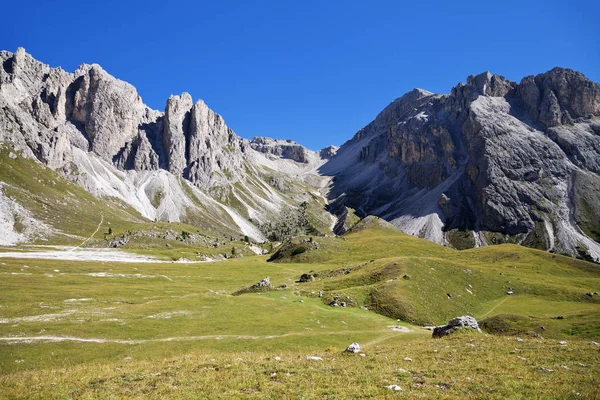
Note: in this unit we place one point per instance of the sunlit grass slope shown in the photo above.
(103, 329)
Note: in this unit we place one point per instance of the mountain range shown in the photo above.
(491, 162)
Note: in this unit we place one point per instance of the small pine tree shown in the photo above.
(110, 230)
(246, 239)
(233, 251)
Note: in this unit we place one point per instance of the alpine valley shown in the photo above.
(448, 250)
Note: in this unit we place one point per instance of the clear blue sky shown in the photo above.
(312, 71)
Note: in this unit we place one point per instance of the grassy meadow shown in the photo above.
(171, 330)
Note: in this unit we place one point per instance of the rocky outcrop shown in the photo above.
(560, 96)
(49, 111)
(176, 128)
(328, 152)
(261, 286)
(213, 148)
(455, 325)
(281, 148)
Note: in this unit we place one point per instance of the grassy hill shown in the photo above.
(102, 329)
(403, 277)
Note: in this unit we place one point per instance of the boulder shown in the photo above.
(265, 283)
(353, 348)
(456, 324)
(306, 278)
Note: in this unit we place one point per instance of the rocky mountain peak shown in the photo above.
(176, 129)
(328, 152)
(499, 160)
(488, 84)
(281, 148)
(491, 157)
(559, 96)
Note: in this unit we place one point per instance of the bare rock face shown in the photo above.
(145, 158)
(493, 157)
(54, 111)
(502, 161)
(559, 96)
(213, 147)
(176, 128)
(281, 148)
(108, 110)
(88, 125)
(328, 152)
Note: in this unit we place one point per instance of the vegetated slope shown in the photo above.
(183, 165)
(38, 205)
(492, 162)
(408, 278)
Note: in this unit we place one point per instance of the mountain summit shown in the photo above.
(494, 161)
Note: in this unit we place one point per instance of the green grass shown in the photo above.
(476, 280)
(174, 330)
(169, 300)
(463, 366)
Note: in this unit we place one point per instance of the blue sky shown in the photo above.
(311, 71)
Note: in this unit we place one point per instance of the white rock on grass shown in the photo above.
(314, 358)
(353, 348)
(394, 388)
(407, 359)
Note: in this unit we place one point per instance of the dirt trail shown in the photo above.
(50, 339)
(92, 235)
(496, 306)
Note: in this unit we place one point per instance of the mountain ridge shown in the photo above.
(463, 149)
(492, 161)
